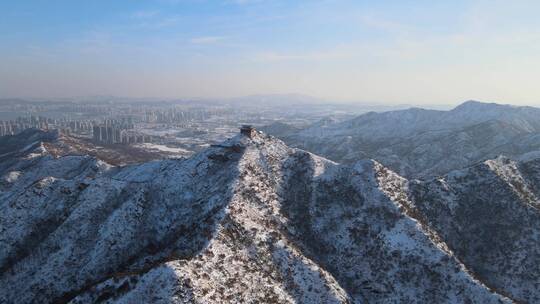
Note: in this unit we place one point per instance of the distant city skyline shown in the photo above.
(394, 52)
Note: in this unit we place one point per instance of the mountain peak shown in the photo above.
(474, 105)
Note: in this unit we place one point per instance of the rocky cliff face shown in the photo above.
(254, 221)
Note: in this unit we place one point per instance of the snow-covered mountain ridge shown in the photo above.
(422, 143)
(253, 220)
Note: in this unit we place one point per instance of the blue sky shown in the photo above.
(373, 51)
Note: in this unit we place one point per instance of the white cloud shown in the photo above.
(207, 39)
(153, 19)
(337, 52)
(244, 2)
(145, 14)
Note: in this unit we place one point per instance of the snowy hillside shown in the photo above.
(254, 221)
(421, 143)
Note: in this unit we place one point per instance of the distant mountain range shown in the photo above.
(282, 101)
(417, 143)
(254, 221)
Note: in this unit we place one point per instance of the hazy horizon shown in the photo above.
(411, 52)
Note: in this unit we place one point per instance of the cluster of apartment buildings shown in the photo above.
(118, 131)
(12, 127)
